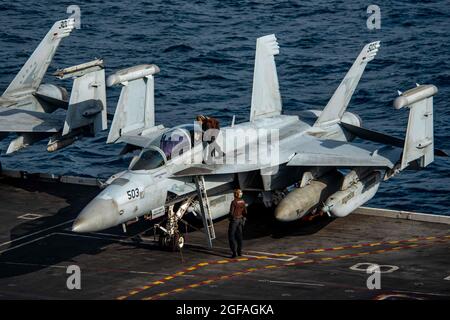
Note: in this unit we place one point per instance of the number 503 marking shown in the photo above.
(132, 194)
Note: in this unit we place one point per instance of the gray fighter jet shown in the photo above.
(297, 165)
(30, 108)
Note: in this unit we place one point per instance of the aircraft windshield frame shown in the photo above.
(149, 159)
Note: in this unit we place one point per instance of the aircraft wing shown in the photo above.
(308, 152)
(318, 152)
(19, 120)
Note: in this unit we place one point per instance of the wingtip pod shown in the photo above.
(132, 73)
(414, 95)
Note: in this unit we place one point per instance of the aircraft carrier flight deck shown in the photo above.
(319, 259)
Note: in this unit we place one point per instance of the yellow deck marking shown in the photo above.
(179, 289)
(163, 294)
(223, 261)
(195, 285)
(203, 264)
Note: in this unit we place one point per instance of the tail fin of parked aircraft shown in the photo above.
(266, 98)
(135, 110)
(30, 76)
(335, 108)
(419, 144)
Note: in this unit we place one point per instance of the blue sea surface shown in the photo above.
(205, 50)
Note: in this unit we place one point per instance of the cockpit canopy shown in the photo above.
(172, 143)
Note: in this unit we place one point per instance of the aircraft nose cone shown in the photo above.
(98, 215)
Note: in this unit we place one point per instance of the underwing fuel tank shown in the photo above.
(302, 201)
(343, 202)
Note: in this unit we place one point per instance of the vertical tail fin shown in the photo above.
(335, 108)
(419, 144)
(266, 99)
(33, 71)
(135, 110)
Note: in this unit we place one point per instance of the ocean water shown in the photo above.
(205, 50)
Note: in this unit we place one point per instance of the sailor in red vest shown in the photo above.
(238, 214)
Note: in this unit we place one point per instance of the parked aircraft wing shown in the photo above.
(318, 152)
(135, 111)
(19, 120)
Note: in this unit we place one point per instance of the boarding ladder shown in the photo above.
(205, 211)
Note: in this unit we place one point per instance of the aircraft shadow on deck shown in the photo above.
(34, 248)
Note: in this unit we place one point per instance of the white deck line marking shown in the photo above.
(287, 257)
(270, 258)
(25, 243)
(95, 237)
(292, 282)
(447, 278)
(30, 216)
(37, 232)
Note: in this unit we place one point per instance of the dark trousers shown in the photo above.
(235, 235)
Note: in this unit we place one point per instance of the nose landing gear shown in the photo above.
(170, 236)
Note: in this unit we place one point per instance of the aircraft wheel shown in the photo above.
(177, 242)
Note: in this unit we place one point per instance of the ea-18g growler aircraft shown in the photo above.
(29, 108)
(301, 164)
